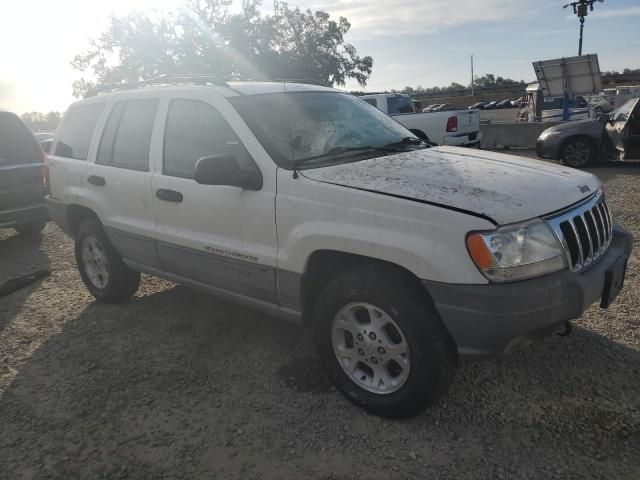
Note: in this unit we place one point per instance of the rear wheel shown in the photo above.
(382, 342)
(101, 266)
(32, 228)
(578, 152)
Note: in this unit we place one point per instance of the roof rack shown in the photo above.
(165, 79)
(309, 81)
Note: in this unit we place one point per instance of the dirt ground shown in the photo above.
(177, 384)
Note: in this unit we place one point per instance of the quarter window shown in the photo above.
(127, 134)
(194, 130)
(74, 135)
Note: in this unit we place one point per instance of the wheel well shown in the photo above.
(576, 137)
(323, 265)
(75, 215)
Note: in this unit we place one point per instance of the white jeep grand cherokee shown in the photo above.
(315, 206)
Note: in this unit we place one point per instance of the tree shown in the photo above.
(206, 37)
(40, 121)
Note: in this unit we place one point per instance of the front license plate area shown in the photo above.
(613, 281)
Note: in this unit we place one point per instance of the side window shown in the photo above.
(371, 101)
(74, 135)
(399, 104)
(127, 135)
(17, 144)
(194, 130)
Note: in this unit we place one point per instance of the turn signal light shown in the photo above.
(479, 251)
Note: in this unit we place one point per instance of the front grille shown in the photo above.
(585, 231)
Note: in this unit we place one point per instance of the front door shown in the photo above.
(219, 236)
(620, 125)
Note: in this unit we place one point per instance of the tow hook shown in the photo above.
(568, 328)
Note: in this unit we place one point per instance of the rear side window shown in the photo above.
(399, 105)
(74, 135)
(17, 144)
(127, 134)
(371, 101)
(195, 130)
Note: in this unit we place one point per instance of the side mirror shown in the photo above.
(224, 170)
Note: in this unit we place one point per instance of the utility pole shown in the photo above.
(472, 89)
(581, 9)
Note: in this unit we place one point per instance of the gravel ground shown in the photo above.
(176, 384)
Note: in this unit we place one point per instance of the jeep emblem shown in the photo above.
(584, 188)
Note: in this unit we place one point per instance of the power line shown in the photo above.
(420, 75)
(633, 45)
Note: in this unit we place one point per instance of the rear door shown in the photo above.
(617, 127)
(21, 162)
(71, 149)
(118, 183)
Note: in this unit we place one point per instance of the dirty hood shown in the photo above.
(504, 188)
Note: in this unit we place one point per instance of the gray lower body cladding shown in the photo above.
(487, 320)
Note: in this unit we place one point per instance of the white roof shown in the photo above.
(258, 88)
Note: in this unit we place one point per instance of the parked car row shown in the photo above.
(495, 104)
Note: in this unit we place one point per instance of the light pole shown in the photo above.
(581, 9)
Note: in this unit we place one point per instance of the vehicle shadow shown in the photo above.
(19, 256)
(179, 383)
(610, 170)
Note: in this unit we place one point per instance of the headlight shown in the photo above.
(516, 252)
(548, 132)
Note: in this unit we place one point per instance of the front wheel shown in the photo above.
(578, 152)
(100, 265)
(382, 342)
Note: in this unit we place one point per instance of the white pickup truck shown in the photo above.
(457, 127)
(311, 205)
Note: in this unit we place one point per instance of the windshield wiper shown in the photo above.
(414, 141)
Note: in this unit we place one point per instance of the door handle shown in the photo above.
(169, 195)
(96, 180)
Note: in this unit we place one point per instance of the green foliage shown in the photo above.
(40, 121)
(206, 37)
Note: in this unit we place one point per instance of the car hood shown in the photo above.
(504, 188)
(581, 126)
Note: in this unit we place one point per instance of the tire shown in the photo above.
(32, 228)
(405, 317)
(100, 265)
(578, 152)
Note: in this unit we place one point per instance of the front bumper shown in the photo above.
(549, 147)
(18, 216)
(487, 320)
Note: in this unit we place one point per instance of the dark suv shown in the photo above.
(22, 188)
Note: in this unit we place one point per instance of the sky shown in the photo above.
(412, 42)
